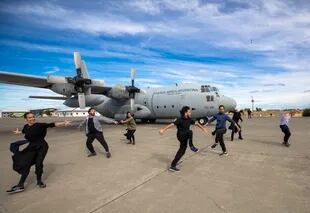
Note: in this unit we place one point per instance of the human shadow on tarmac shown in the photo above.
(266, 142)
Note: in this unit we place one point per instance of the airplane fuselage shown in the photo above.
(166, 102)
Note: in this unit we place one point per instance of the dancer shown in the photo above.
(34, 153)
(131, 128)
(284, 120)
(183, 134)
(221, 119)
(237, 115)
(93, 130)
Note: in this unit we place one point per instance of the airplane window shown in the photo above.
(157, 107)
(212, 98)
(145, 102)
(208, 98)
(164, 106)
(193, 108)
(172, 106)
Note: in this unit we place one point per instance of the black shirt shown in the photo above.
(36, 133)
(183, 125)
(237, 116)
(91, 126)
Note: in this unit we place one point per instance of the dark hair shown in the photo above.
(184, 110)
(26, 114)
(127, 114)
(90, 109)
(221, 106)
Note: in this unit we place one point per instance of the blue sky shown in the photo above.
(246, 48)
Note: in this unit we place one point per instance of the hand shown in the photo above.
(115, 122)
(66, 122)
(17, 131)
(161, 131)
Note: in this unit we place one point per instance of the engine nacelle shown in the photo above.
(118, 92)
(63, 89)
(90, 100)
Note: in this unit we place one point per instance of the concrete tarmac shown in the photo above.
(259, 175)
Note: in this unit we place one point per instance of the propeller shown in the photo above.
(132, 90)
(81, 79)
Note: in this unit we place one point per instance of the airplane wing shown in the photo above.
(50, 97)
(23, 80)
(102, 90)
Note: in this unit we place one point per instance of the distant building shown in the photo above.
(12, 113)
(72, 113)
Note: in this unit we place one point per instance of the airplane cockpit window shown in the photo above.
(215, 89)
(208, 98)
(205, 88)
(212, 98)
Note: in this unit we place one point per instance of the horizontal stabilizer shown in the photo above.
(50, 97)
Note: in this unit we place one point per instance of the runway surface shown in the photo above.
(259, 175)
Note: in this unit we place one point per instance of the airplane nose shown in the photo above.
(229, 103)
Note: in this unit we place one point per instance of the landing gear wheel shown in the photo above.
(202, 121)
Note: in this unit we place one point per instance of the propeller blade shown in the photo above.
(132, 76)
(78, 63)
(82, 101)
(132, 104)
(84, 70)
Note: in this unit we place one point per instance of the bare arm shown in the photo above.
(163, 130)
(125, 121)
(204, 129)
(62, 124)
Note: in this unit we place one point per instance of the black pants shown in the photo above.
(130, 135)
(41, 152)
(190, 140)
(286, 131)
(219, 138)
(183, 138)
(100, 138)
(234, 130)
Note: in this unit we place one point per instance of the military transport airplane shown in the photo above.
(147, 104)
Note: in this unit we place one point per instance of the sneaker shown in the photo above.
(241, 138)
(16, 189)
(129, 142)
(108, 154)
(92, 154)
(194, 149)
(40, 184)
(224, 153)
(133, 143)
(287, 144)
(173, 169)
(214, 145)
